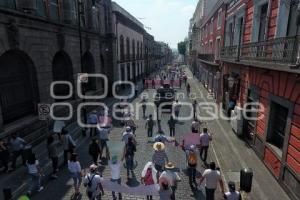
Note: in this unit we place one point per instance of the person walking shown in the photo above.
(195, 126)
(176, 107)
(153, 83)
(144, 106)
(17, 145)
(103, 131)
(115, 171)
(232, 194)
(149, 176)
(130, 122)
(94, 150)
(53, 153)
(149, 126)
(159, 158)
(92, 182)
(35, 173)
(172, 124)
(188, 89)
(75, 172)
(205, 139)
(172, 177)
(165, 192)
(192, 166)
(212, 177)
(195, 108)
(128, 155)
(4, 155)
(68, 144)
(127, 134)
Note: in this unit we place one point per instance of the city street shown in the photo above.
(230, 154)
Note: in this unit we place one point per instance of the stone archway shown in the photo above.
(62, 70)
(89, 67)
(18, 86)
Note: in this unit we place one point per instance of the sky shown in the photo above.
(168, 19)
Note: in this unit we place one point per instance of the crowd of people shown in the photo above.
(159, 169)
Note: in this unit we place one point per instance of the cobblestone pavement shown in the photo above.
(232, 154)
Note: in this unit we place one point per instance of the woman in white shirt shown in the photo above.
(75, 172)
(35, 174)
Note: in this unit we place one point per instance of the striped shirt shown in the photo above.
(160, 158)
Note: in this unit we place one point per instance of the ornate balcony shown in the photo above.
(278, 51)
(208, 59)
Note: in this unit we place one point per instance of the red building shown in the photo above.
(260, 62)
(212, 38)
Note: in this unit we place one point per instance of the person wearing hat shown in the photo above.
(127, 134)
(92, 182)
(115, 170)
(212, 177)
(103, 131)
(171, 176)
(232, 194)
(159, 157)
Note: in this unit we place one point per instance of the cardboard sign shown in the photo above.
(44, 111)
(58, 126)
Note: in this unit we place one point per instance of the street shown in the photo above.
(229, 153)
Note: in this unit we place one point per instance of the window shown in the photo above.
(54, 10)
(122, 56)
(219, 19)
(70, 12)
(133, 50)
(8, 4)
(262, 22)
(138, 49)
(292, 24)
(41, 8)
(127, 49)
(277, 125)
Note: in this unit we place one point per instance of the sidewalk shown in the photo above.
(18, 180)
(232, 154)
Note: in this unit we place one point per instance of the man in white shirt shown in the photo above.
(115, 168)
(205, 138)
(232, 194)
(92, 182)
(127, 134)
(212, 178)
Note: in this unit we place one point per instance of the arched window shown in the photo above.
(128, 49)
(133, 50)
(18, 86)
(122, 53)
(62, 70)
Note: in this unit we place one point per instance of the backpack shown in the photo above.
(148, 177)
(192, 158)
(89, 184)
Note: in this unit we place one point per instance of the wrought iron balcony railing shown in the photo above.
(207, 57)
(279, 50)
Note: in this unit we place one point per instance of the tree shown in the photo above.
(182, 47)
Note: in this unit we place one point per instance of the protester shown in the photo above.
(195, 126)
(172, 177)
(160, 137)
(4, 155)
(93, 119)
(192, 166)
(115, 170)
(94, 150)
(232, 194)
(149, 126)
(127, 134)
(68, 144)
(172, 124)
(103, 131)
(35, 173)
(130, 122)
(212, 177)
(53, 153)
(195, 108)
(17, 145)
(128, 155)
(205, 138)
(75, 172)
(159, 158)
(176, 107)
(188, 89)
(149, 176)
(144, 106)
(92, 182)
(165, 192)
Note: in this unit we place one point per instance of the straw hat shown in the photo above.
(169, 165)
(158, 146)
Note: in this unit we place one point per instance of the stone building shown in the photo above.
(149, 43)
(39, 44)
(129, 45)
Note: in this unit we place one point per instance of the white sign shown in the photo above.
(58, 126)
(44, 111)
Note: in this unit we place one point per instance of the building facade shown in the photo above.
(39, 44)
(129, 46)
(261, 64)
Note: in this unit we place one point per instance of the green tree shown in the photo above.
(182, 47)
